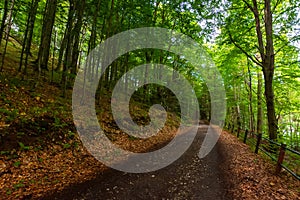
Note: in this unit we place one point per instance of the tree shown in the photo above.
(72, 38)
(3, 21)
(264, 44)
(48, 22)
(259, 104)
(28, 34)
(8, 28)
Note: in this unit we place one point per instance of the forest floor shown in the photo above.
(41, 155)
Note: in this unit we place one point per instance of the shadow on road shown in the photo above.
(187, 178)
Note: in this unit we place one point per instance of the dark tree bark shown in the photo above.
(92, 41)
(62, 49)
(251, 125)
(48, 22)
(29, 34)
(25, 38)
(8, 28)
(53, 56)
(259, 104)
(68, 38)
(92, 45)
(4, 17)
(73, 40)
(80, 7)
(109, 32)
(268, 70)
(237, 109)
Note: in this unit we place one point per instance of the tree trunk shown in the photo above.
(7, 32)
(268, 62)
(80, 6)
(67, 59)
(92, 41)
(29, 34)
(259, 104)
(268, 69)
(3, 22)
(25, 37)
(53, 56)
(269, 94)
(238, 111)
(62, 48)
(48, 22)
(250, 100)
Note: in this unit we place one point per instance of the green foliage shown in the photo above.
(38, 148)
(23, 147)
(58, 123)
(71, 135)
(132, 138)
(8, 192)
(17, 164)
(4, 153)
(10, 115)
(67, 146)
(19, 185)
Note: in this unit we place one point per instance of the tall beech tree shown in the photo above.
(48, 22)
(262, 25)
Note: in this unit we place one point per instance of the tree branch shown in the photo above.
(258, 30)
(249, 6)
(245, 52)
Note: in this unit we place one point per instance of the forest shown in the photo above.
(44, 45)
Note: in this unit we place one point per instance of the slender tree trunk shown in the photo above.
(25, 37)
(250, 100)
(146, 88)
(67, 64)
(48, 22)
(92, 45)
(62, 48)
(109, 32)
(238, 110)
(92, 41)
(259, 104)
(291, 128)
(53, 57)
(3, 21)
(7, 32)
(109, 28)
(67, 59)
(80, 4)
(29, 34)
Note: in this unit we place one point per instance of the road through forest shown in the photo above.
(187, 178)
